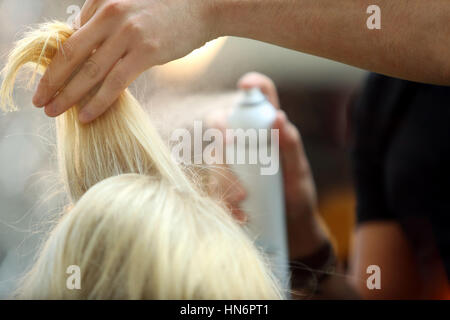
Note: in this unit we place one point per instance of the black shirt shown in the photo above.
(401, 156)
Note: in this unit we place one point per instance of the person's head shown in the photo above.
(138, 237)
(139, 227)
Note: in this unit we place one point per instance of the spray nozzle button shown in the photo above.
(253, 96)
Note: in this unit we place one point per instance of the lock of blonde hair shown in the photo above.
(139, 227)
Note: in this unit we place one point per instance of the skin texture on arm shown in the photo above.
(413, 32)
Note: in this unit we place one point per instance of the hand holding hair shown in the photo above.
(117, 40)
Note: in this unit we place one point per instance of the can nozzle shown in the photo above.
(253, 96)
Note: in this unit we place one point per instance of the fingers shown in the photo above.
(92, 72)
(122, 74)
(87, 11)
(292, 154)
(74, 51)
(258, 80)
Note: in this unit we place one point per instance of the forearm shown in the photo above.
(306, 234)
(412, 43)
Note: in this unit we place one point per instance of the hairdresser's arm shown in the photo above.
(133, 35)
(413, 32)
(385, 245)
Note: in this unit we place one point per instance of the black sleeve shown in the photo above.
(401, 155)
(375, 113)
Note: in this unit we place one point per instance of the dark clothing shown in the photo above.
(401, 156)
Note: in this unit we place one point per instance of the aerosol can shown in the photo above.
(264, 204)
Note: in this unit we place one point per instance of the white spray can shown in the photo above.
(264, 204)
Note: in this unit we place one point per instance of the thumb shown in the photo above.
(264, 83)
(292, 153)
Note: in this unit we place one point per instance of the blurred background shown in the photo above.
(314, 92)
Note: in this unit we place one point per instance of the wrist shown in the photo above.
(262, 20)
(307, 234)
(309, 273)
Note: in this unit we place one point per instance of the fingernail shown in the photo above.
(50, 109)
(84, 116)
(37, 101)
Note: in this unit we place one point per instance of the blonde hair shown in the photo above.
(139, 227)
